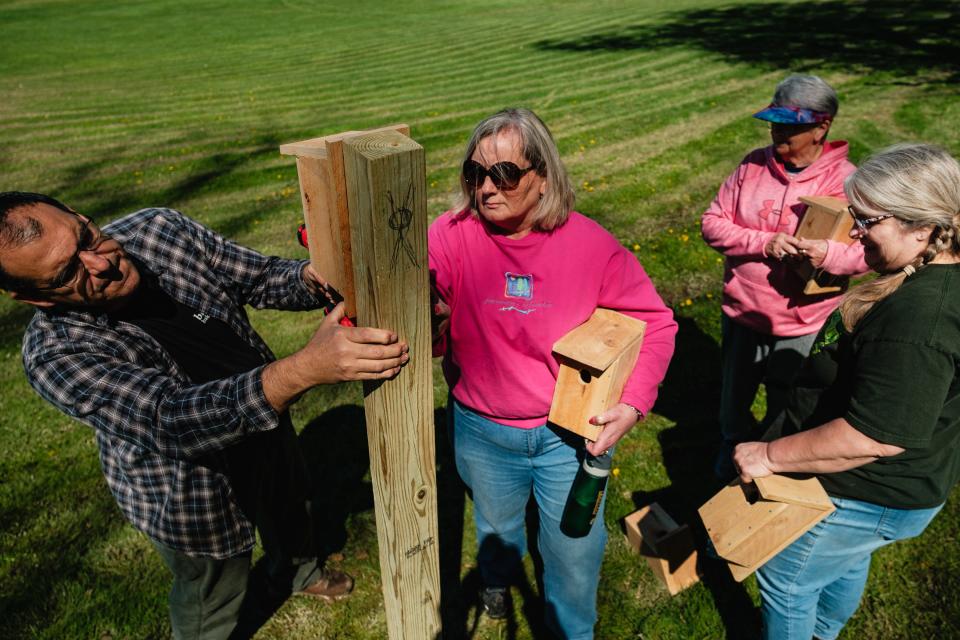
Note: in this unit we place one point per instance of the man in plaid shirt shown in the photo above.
(141, 333)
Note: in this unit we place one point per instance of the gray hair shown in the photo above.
(540, 150)
(917, 183)
(920, 185)
(806, 92)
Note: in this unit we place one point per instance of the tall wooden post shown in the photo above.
(386, 191)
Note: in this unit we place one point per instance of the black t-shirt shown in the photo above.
(204, 347)
(894, 378)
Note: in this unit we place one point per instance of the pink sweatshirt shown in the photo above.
(758, 200)
(511, 300)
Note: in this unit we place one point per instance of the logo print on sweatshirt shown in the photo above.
(519, 285)
(768, 209)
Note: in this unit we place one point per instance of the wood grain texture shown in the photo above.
(386, 186)
(749, 523)
(328, 229)
(595, 359)
(323, 193)
(826, 218)
(668, 547)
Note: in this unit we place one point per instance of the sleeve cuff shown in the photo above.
(883, 437)
(255, 411)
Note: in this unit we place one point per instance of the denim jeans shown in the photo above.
(814, 586)
(501, 465)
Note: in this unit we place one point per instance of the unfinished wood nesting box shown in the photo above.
(750, 523)
(667, 546)
(826, 218)
(595, 360)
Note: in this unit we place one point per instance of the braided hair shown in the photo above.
(920, 185)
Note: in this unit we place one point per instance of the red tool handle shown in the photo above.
(302, 239)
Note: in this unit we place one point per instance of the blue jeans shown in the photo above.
(501, 465)
(814, 586)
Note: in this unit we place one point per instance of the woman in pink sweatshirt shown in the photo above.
(518, 270)
(768, 323)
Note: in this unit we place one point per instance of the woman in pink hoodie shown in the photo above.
(768, 323)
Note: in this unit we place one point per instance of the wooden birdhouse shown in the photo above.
(750, 523)
(595, 360)
(826, 218)
(668, 547)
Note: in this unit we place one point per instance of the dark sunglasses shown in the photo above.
(505, 176)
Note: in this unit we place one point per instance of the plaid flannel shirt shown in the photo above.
(152, 424)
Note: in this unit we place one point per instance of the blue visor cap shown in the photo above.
(791, 115)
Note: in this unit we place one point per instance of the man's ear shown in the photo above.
(32, 300)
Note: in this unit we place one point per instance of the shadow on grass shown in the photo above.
(108, 198)
(690, 397)
(57, 557)
(13, 322)
(460, 605)
(910, 40)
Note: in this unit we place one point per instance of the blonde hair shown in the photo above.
(540, 150)
(920, 185)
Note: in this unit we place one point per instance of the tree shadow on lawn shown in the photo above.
(106, 198)
(690, 397)
(334, 446)
(907, 39)
(61, 557)
(13, 322)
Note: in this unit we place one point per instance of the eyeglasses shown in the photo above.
(863, 224)
(505, 176)
(89, 239)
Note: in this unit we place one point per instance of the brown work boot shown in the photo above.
(331, 586)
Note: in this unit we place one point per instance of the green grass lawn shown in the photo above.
(116, 106)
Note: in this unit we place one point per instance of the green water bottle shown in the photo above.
(586, 492)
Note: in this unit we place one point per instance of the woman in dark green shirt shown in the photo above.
(875, 413)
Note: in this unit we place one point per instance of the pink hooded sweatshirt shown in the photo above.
(758, 200)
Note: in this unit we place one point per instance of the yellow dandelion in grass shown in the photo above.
(685, 237)
(592, 141)
(709, 296)
(615, 472)
(586, 183)
(582, 148)
(670, 230)
(688, 302)
(636, 247)
(433, 183)
(719, 260)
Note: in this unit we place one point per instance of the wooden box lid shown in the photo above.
(599, 341)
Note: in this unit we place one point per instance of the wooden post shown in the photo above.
(386, 191)
(323, 193)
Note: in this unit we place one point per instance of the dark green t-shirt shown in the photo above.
(894, 378)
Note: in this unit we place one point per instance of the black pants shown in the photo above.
(213, 598)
